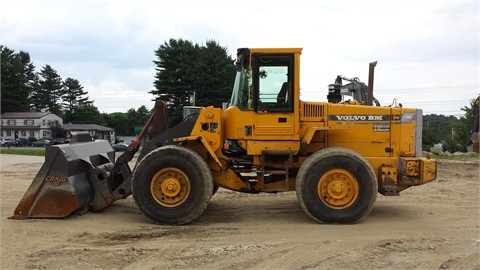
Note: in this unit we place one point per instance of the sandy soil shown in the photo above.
(434, 226)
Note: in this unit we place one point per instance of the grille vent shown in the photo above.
(313, 110)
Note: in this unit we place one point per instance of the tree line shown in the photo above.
(452, 132)
(183, 69)
(24, 89)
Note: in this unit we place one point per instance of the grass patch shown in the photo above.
(21, 151)
(465, 156)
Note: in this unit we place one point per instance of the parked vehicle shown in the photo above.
(22, 142)
(7, 142)
(41, 143)
(120, 147)
(58, 141)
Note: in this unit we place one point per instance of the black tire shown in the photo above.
(172, 185)
(336, 185)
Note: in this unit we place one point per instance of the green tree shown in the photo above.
(175, 76)
(57, 130)
(184, 68)
(119, 122)
(16, 80)
(74, 97)
(88, 114)
(437, 129)
(461, 135)
(215, 76)
(137, 118)
(48, 91)
(125, 123)
(454, 133)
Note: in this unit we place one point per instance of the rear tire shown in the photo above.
(336, 185)
(172, 185)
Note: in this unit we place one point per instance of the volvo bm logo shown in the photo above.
(336, 117)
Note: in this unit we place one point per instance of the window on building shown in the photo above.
(23, 133)
(32, 133)
(28, 122)
(11, 122)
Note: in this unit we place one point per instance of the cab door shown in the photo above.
(273, 83)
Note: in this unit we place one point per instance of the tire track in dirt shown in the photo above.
(459, 255)
(472, 261)
(279, 256)
(305, 254)
(290, 259)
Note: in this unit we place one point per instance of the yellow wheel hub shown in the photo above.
(338, 189)
(170, 187)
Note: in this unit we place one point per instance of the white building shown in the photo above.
(28, 124)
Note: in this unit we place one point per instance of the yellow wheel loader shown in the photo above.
(335, 155)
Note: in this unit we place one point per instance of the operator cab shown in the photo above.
(264, 82)
(265, 101)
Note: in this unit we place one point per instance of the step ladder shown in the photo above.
(263, 173)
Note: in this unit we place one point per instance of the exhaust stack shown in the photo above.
(371, 71)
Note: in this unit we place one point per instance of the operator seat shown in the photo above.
(282, 95)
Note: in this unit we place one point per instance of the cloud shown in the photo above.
(114, 96)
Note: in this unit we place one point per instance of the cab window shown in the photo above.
(273, 80)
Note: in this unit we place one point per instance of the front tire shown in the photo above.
(172, 185)
(336, 185)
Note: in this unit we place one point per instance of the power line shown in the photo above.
(430, 88)
(425, 89)
(437, 102)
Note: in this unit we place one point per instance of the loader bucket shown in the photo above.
(64, 183)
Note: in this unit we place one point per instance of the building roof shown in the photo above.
(85, 127)
(24, 115)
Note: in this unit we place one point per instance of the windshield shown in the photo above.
(241, 90)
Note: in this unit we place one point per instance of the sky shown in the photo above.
(427, 51)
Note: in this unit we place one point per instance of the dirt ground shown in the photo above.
(434, 226)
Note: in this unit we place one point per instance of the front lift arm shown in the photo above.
(119, 182)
